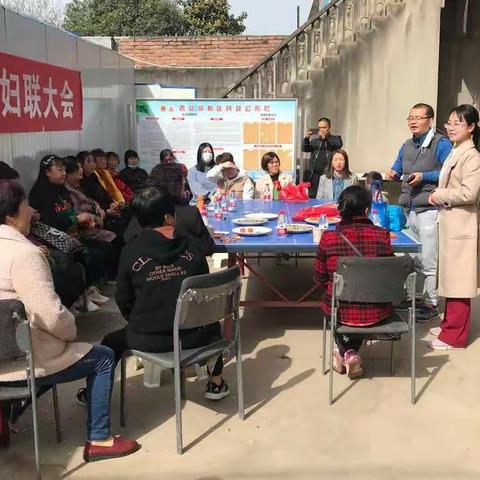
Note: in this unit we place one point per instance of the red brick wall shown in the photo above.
(241, 51)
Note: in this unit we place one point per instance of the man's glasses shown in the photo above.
(416, 119)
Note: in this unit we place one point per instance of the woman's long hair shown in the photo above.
(346, 170)
(470, 114)
(43, 190)
(201, 165)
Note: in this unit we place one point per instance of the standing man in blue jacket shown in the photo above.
(420, 160)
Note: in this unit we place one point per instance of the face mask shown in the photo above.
(134, 166)
(207, 157)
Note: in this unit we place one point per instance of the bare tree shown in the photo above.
(45, 10)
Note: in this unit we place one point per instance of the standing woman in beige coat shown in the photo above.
(457, 198)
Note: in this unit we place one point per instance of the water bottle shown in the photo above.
(281, 223)
(218, 211)
(323, 222)
(204, 215)
(224, 204)
(212, 204)
(232, 202)
(276, 190)
(376, 218)
(267, 194)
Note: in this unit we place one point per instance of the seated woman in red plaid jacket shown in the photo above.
(371, 241)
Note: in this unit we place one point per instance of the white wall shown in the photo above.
(368, 90)
(108, 93)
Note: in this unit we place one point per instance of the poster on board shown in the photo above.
(245, 128)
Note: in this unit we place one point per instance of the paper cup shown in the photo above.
(317, 234)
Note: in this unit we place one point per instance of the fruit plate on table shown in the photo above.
(267, 215)
(331, 220)
(250, 221)
(298, 228)
(252, 231)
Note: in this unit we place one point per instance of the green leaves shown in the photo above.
(146, 18)
(141, 18)
(212, 17)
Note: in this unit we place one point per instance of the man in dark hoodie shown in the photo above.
(151, 271)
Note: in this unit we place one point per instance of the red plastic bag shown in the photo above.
(328, 209)
(295, 193)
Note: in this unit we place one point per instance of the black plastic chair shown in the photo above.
(203, 300)
(16, 347)
(373, 280)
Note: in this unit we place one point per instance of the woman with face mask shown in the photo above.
(197, 175)
(134, 176)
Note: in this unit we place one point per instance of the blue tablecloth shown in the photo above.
(299, 242)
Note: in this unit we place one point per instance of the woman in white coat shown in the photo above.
(457, 198)
(271, 165)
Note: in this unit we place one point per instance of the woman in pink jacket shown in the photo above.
(25, 275)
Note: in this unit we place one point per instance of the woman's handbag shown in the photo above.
(56, 238)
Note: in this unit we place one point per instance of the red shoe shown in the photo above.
(121, 448)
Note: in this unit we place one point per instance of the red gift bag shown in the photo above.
(328, 209)
(295, 193)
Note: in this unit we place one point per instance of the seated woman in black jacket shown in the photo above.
(52, 201)
(116, 216)
(147, 296)
(66, 273)
(189, 223)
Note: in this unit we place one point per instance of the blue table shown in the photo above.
(298, 243)
(269, 246)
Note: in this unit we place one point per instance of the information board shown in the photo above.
(245, 128)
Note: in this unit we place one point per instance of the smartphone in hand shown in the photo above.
(314, 131)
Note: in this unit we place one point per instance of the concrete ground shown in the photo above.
(290, 432)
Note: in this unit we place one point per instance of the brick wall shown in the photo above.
(239, 51)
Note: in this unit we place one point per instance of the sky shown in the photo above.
(266, 17)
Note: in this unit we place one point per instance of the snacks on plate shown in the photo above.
(331, 220)
(250, 221)
(298, 228)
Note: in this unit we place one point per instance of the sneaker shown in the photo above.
(217, 392)
(439, 345)
(353, 363)
(121, 448)
(81, 397)
(92, 307)
(338, 364)
(95, 296)
(435, 331)
(425, 313)
(80, 306)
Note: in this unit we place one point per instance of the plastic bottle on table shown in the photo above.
(224, 204)
(376, 218)
(267, 195)
(213, 203)
(218, 211)
(276, 190)
(232, 202)
(323, 222)
(281, 223)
